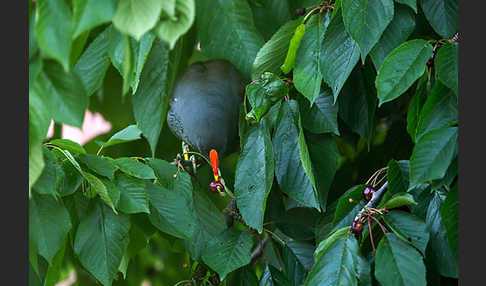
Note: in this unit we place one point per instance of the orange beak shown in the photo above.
(213, 158)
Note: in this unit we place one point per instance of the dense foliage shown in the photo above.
(340, 96)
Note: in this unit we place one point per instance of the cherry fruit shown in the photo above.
(368, 193)
(357, 227)
(216, 186)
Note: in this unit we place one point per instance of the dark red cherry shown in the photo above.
(356, 227)
(216, 186)
(368, 193)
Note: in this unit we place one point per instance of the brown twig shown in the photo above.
(258, 251)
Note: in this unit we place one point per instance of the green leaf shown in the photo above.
(49, 223)
(440, 110)
(272, 276)
(324, 156)
(398, 263)
(401, 68)
(411, 3)
(365, 21)
(67, 94)
(450, 219)
(432, 155)
(100, 165)
(442, 16)
(321, 117)
(209, 224)
(397, 175)
(99, 188)
(272, 53)
(93, 63)
(415, 106)
(101, 239)
(254, 176)
(69, 145)
(150, 102)
(339, 55)
(33, 46)
(88, 14)
(263, 93)
(292, 162)
(289, 62)
(53, 27)
(133, 196)
(337, 265)
(130, 133)
(446, 65)
(307, 75)
(171, 28)
(112, 190)
(440, 252)
(228, 251)
(136, 17)
(134, 168)
(357, 102)
(50, 180)
(348, 206)
(364, 271)
(226, 30)
(270, 15)
(141, 52)
(400, 199)
(409, 228)
(397, 32)
(171, 210)
(72, 180)
(324, 245)
(53, 272)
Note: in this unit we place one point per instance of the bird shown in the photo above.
(204, 106)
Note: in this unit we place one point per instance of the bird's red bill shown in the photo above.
(213, 158)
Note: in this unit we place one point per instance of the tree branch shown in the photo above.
(258, 251)
(375, 199)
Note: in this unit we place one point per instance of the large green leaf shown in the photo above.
(273, 277)
(99, 188)
(446, 65)
(50, 180)
(226, 30)
(409, 228)
(271, 56)
(324, 244)
(100, 165)
(337, 265)
(150, 102)
(54, 270)
(135, 17)
(411, 3)
(365, 21)
(397, 32)
(141, 51)
(67, 94)
(307, 71)
(293, 169)
(93, 63)
(254, 176)
(171, 207)
(440, 110)
(134, 168)
(444, 259)
(442, 16)
(270, 16)
(53, 29)
(324, 156)
(133, 195)
(339, 55)
(415, 106)
(397, 175)
(357, 102)
(401, 68)
(69, 145)
(321, 117)
(88, 14)
(398, 263)
(210, 223)
(172, 28)
(49, 223)
(228, 251)
(72, 180)
(432, 155)
(130, 133)
(450, 218)
(101, 240)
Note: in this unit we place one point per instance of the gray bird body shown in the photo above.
(203, 109)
